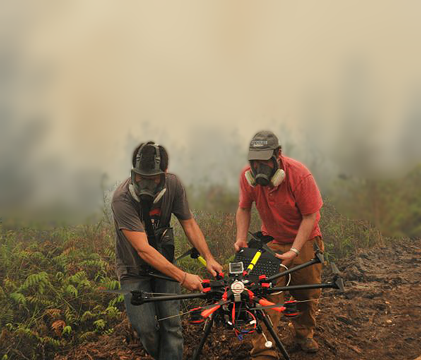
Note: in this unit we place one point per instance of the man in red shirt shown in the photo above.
(288, 201)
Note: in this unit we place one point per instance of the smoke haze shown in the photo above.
(82, 83)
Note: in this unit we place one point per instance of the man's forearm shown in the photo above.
(242, 219)
(160, 263)
(196, 237)
(304, 231)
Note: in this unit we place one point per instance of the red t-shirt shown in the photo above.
(281, 209)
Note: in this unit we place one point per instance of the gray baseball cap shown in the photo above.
(262, 145)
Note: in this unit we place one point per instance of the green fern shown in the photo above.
(70, 316)
(52, 342)
(100, 276)
(78, 277)
(101, 264)
(7, 316)
(24, 331)
(22, 255)
(67, 330)
(71, 290)
(100, 324)
(87, 315)
(116, 300)
(5, 256)
(18, 298)
(59, 275)
(9, 284)
(112, 312)
(64, 291)
(60, 261)
(84, 284)
(88, 336)
(110, 253)
(108, 331)
(98, 308)
(40, 299)
(37, 256)
(110, 284)
(35, 279)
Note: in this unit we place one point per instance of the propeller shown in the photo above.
(337, 280)
(192, 252)
(266, 304)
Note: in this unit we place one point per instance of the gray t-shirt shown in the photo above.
(127, 214)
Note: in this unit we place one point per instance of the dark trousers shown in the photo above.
(163, 340)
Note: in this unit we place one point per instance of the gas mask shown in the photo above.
(147, 189)
(264, 175)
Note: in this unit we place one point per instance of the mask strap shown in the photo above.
(250, 178)
(133, 193)
(139, 156)
(160, 195)
(157, 163)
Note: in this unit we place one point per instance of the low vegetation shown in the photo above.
(50, 279)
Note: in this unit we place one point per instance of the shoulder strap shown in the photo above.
(148, 224)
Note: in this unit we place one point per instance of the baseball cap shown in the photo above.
(262, 145)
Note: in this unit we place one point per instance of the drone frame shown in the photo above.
(251, 296)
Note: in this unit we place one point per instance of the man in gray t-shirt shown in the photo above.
(142, 207)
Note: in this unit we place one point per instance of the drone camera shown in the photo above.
(236, 268)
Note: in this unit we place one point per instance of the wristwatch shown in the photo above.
(295, 250)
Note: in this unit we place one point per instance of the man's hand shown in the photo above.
(240, 244)
(213, 267)
(192, 282)
(287, 257)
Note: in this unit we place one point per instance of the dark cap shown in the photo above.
(262, 145)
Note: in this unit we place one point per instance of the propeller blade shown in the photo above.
(208, 312)
(335, 270)
(187, 253)
(339, 282)
(319, 256)
(270, 305)
(269, 250)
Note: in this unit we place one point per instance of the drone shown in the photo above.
(237, 300)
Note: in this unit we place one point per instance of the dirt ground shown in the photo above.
(378, 317)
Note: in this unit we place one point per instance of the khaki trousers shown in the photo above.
(305, 323)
